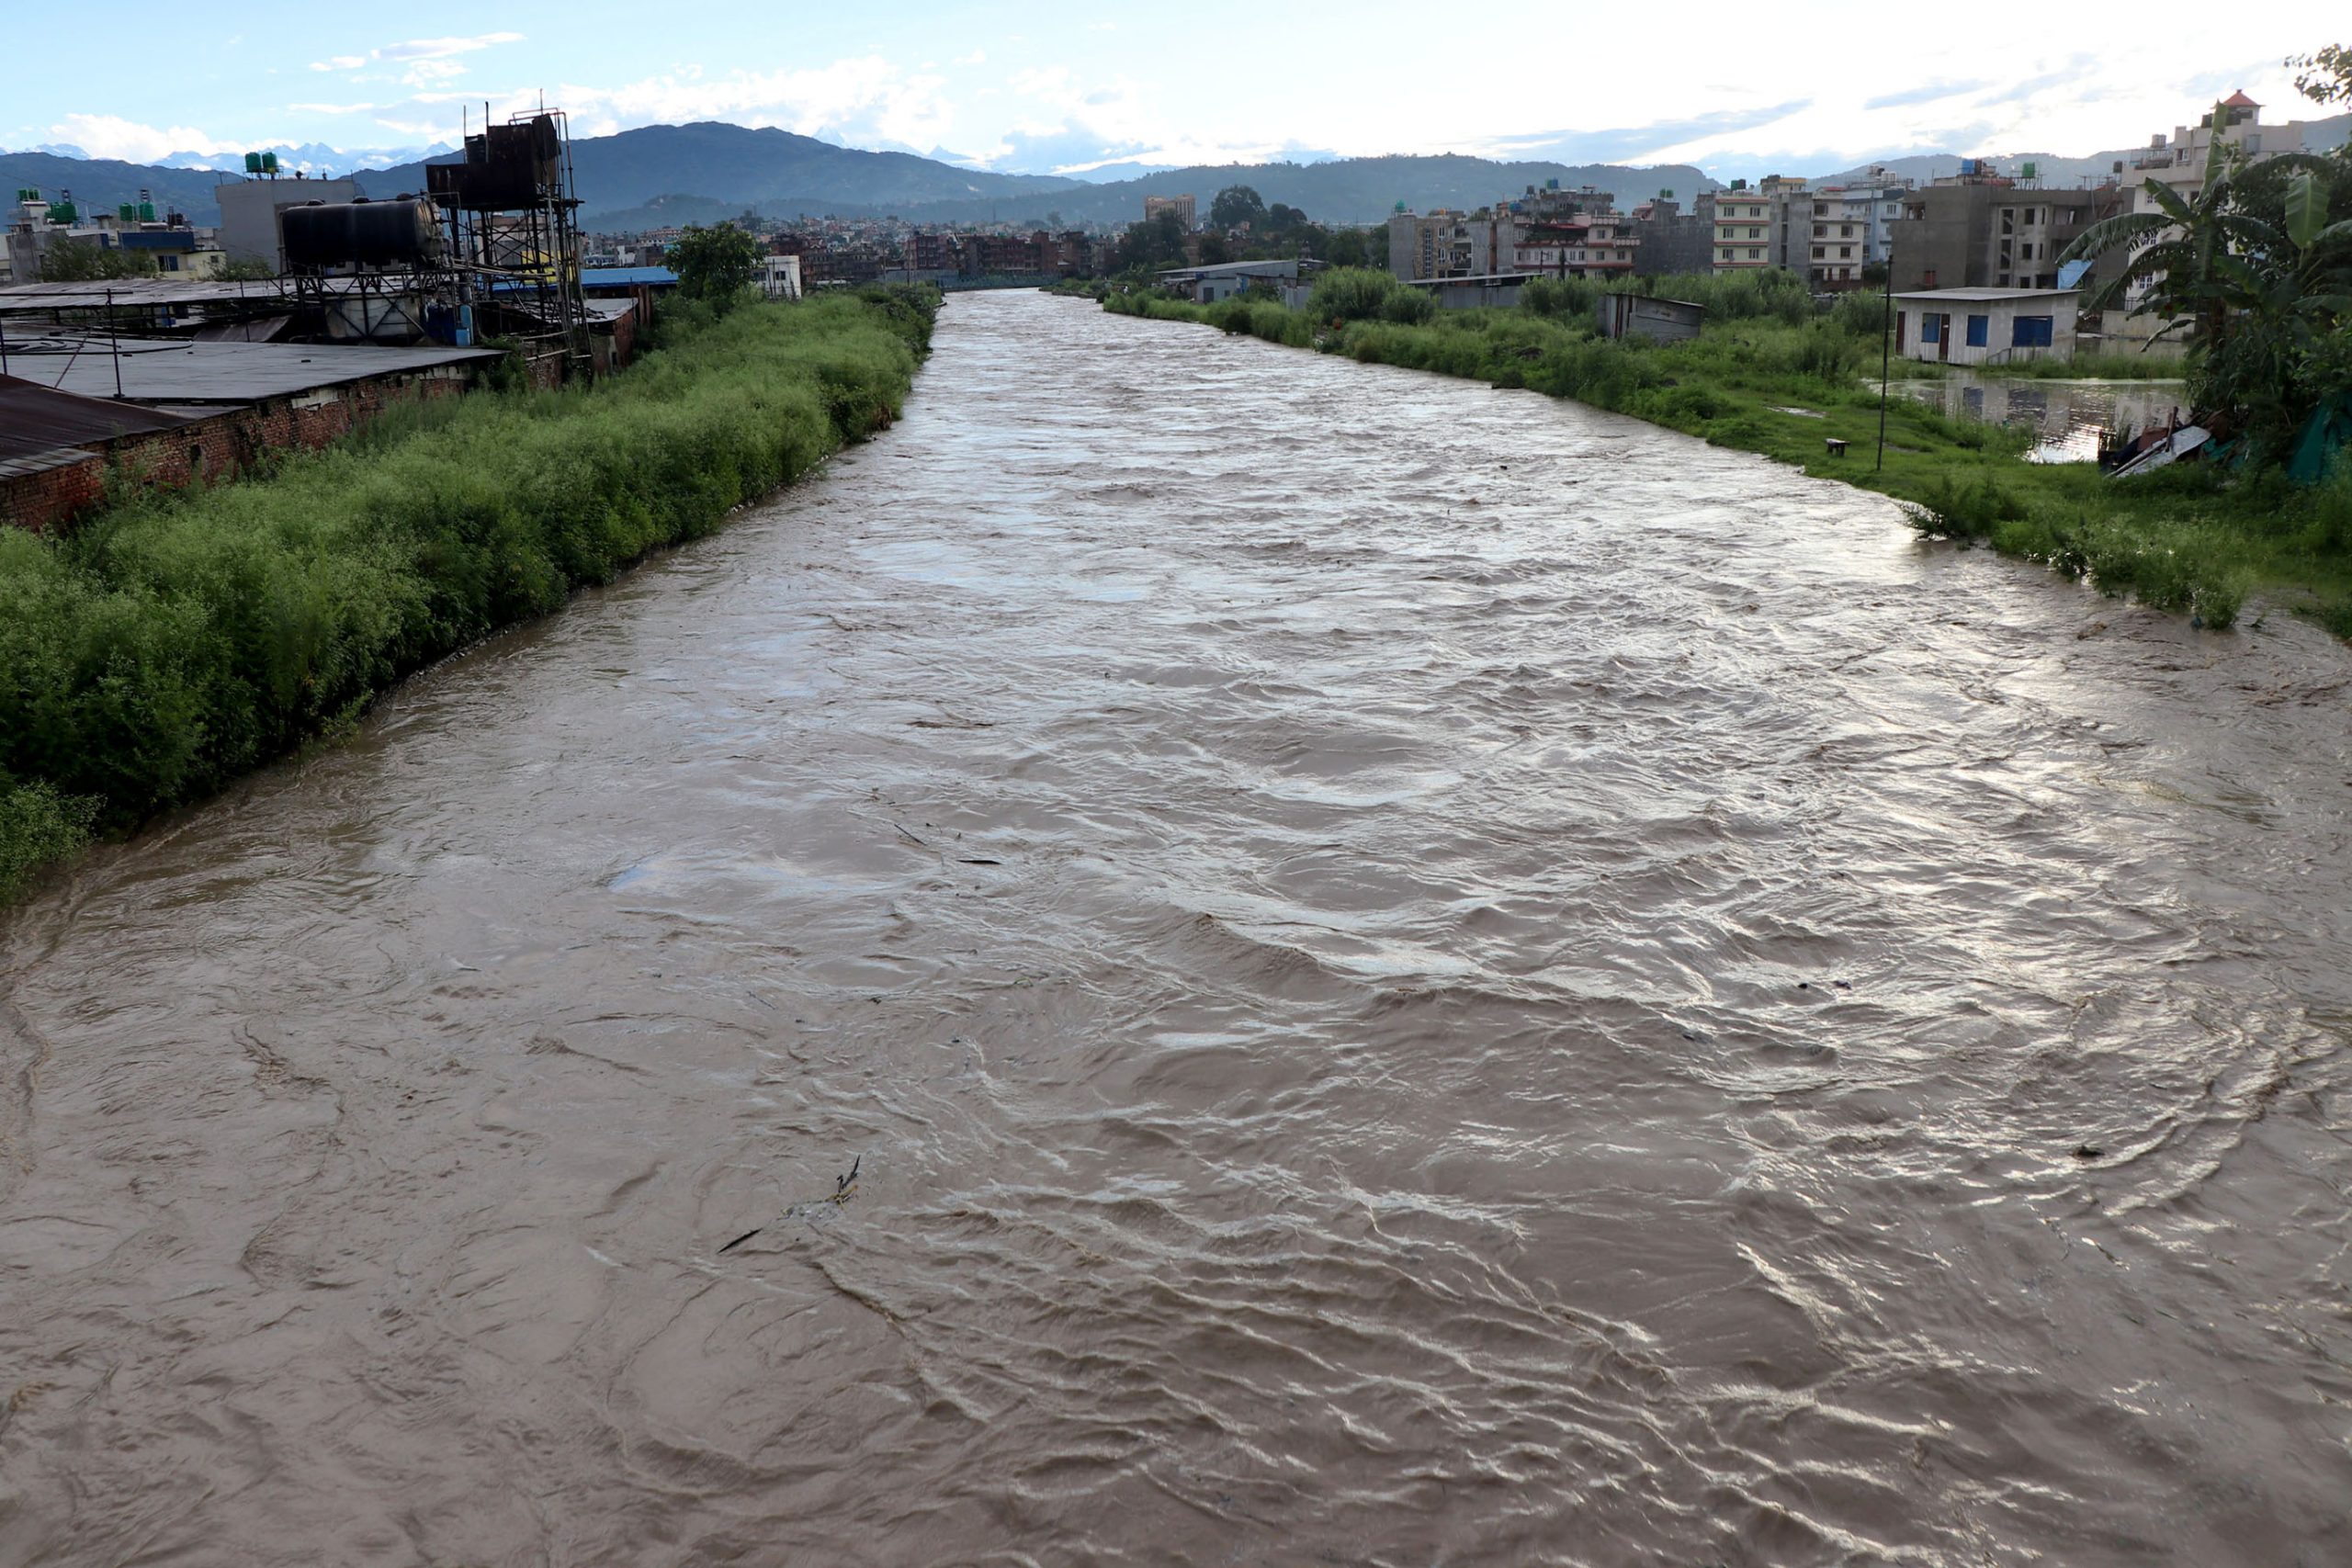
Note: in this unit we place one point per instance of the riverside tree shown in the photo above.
(2256, 269)
(1237, 205)
(714, 264)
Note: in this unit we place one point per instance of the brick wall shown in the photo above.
(215, 449)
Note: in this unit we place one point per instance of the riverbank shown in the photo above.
(2190, 538)
(173, 643)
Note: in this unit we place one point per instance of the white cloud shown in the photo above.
(865, 99)
(429, 59)
(329, 109)
(977, 57)
(112, 136)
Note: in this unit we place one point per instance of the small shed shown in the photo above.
(1985, 326)
(1667, 320)
(1494, 290)
(1207, 285)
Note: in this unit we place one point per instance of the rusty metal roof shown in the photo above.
(36, 419)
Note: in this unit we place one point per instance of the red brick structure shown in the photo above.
(44, 486)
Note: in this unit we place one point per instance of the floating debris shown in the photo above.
(844, 1189)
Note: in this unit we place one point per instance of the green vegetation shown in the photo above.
(714, 264)
(1276, 232)
(85, 261)
(2255, 269)
(179, 639)
(1771, 374)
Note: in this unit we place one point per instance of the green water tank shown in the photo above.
(253, 163)
(64, 212)
(146, 212)
(269, 162)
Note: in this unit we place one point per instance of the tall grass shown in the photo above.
(177, 640)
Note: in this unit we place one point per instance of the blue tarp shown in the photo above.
(2324, 438)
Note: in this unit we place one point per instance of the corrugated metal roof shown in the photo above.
(1985, 295)
(626, 277)
(162, 370)
(22, 299)
(35, 420)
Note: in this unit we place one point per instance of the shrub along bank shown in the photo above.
(176, 641)
(1771, 374)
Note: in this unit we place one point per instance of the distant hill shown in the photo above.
(699, 173)
(2060, 173)
(1344, 190)
(738, 167)
(101, 184)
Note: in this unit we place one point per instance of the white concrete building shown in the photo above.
(778, 277)
(1847, 230)
(1985, 326)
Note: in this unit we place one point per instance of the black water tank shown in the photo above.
(359, 234)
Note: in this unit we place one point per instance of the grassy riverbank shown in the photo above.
(170, 644)
(1772, 377)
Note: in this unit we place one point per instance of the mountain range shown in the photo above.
(699, 173)
(684, 173)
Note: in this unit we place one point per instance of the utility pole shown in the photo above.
(1886, 356)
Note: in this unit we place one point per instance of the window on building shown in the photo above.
(1756, 233)
(1980, 330)
(1845, 252)
(1819, 230)
(2030, 332)
(1819, 251)
(1845, 230)
(1754, 253)
(1931, 327)
(1927, 279)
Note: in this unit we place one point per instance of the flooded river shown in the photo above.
(1411, 974)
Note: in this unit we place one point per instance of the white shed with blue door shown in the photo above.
(1985, 326)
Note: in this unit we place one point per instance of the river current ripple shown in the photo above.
(1418, 975)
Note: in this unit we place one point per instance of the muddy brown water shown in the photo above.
(1418, 975)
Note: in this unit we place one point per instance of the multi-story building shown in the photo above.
(1668, 240)
(1590, 244)
(1181, 205)
(1743, 230)
(1446, 243)
(932, 252)
(1982, 229)
(167, 241)
(1848, 231)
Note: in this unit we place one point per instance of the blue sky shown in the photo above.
(1048, 88)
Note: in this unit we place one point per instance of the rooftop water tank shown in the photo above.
(362, 233)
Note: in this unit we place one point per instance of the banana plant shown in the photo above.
(2184, 255)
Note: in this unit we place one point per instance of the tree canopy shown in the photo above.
(715, 264)
(1237, 205)
(85, 261)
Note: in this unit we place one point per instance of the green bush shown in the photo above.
(1408, 307)
(1861, 314)
(1352, 294)
(1963, 513)
(1556, 298)
(178, 640)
